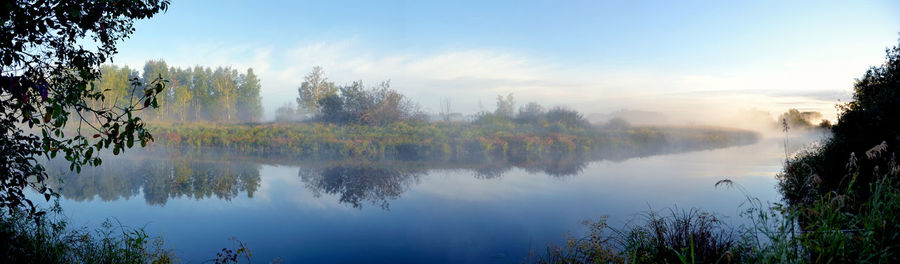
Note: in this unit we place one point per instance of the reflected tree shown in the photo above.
(358, 184)
(157, 179)
(200, 173)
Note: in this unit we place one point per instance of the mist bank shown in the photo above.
(162, 172)
(443, 141)
(766, 123)
(226, 95)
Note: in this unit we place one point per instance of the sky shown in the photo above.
(695, 61)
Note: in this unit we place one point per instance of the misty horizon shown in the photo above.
(666, 64)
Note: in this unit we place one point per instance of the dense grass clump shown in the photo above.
(26, 239)
(686, 236)
(818, 232)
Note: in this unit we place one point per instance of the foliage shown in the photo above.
(872, 118)
(375, 106)
(689, 236)
(829, 233)
(855, 223)
(442, 141)
(568, 118)
(240, 253)
(314, 89)
(843, 197)
(195, 94)
(556, 119)
(46, 82)
(48, 240)
(354, 103)
(530, 113)
(506, 106)
(800, 120)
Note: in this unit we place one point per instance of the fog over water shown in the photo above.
(405, 212)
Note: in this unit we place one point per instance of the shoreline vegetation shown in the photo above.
(442, 141)
(377, 125)
(162, 172)
(841, 201)
(198, 114)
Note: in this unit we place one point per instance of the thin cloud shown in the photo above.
(471, 76)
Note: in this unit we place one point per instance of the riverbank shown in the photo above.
(442, 141)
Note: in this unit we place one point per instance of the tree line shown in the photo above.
(322, 100)
(354, 103)
(195, 93)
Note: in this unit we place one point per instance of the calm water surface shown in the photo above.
(397, 213)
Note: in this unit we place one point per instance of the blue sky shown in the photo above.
(595, 56)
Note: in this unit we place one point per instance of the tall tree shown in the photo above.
(249, 103)
(314, 88)
(506, 106)
(203, 96)
(182, 86)
(225, 91)
(445, 109)
(196, 93)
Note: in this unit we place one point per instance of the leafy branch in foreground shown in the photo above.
(46, 84)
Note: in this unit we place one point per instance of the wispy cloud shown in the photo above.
(470, 76)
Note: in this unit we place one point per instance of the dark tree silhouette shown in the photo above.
(871, 120)
(45, 85)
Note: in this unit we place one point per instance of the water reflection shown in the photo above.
(358, 184)
(157, 178)
(161, 175)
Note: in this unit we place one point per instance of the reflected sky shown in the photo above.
(303, 214)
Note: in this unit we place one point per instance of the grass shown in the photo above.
(47, 239)
(844, 226)
(672, 236)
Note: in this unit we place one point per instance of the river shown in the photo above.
(348, 212)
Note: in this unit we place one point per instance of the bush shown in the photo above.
(872, 118)
(379, 105)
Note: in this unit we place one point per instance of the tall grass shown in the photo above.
(47, 239)
(670, 236)
(843, 226)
